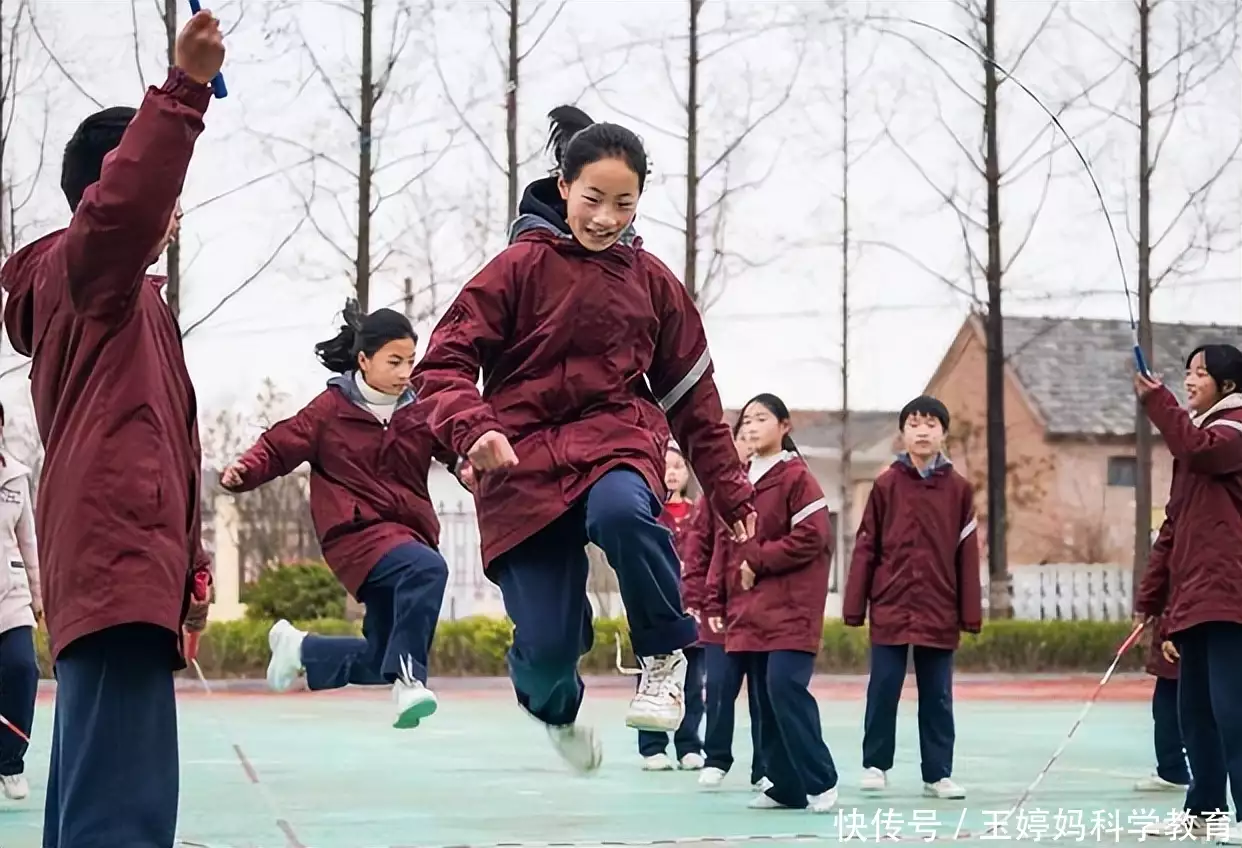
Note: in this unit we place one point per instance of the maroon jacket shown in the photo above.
(582, 356)
(916, 559)
(1195, 571)
(1156, 663)
(119, 514)
(368, 487)
(790, 555)
(698, 543)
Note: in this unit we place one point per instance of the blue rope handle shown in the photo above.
(217, 82)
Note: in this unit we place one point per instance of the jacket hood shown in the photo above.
(347, 384)
(938, 462)
(543, 209)
(1226, 404)
(17, 279)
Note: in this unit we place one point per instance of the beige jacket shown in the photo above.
(19, 556)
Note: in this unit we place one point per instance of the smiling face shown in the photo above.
(601, 202)
(1202, 393)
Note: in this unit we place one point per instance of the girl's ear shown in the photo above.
(563, 187)
(1229, 387)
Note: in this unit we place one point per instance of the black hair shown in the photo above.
(362, 334)
(94, 139)
(1223, 362)
(576, 141)
(777, 407)
(924, 405)
(2, 422)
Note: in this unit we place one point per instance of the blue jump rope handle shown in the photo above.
(217, 82)
(1141, 361)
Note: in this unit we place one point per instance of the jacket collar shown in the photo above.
(1225, 404)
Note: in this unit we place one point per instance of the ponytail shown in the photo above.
(575, 141)
(787, 444)
(566, 122)
(339, 354)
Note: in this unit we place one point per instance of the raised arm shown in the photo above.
(122, 218)
(1213, 449)
(285, 446)
(864, 560)
(463, 344)
(681, 378)
(28, 546)
(809, 534)
(969, 580)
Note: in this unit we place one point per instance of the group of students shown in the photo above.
(592, 359)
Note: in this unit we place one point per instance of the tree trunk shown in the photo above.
(511, 111)
(1142, 427)
(407, 298)
(362, 264)
(172, 291)
(998, 565)
(845, 519)
(690, 276)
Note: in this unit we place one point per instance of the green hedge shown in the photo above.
(476, 647)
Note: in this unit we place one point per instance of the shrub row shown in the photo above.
(476, 647)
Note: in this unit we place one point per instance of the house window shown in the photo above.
(1123, 471)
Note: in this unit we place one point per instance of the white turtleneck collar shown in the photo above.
(760, 465)
(381, 405)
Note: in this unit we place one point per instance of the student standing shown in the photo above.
(585, 343)
(775, 589)
(1172, 774)
(676, 517)
(21, 608)
(916, 569)
(725, 672)
(370, 451)
(119, 511)
(1196, 585)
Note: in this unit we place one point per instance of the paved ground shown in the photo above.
(331, 773)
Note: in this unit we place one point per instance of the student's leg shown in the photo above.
(51, 803)
(543, 582)
(1224, 649)
(653, 744)
(19, 683)
(402, 595)
(687, 740)
(1198, 723)
(788, 788)
(724, 683)
(888, 674)
(1170, 753)
(797, 719)
(115, 753)
(933, 673)
(621, 519)
(758, 771)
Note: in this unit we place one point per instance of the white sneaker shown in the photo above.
(578, 746)
(415, 701)
(874, 780)
(711, 778)
(823, 802)
(1233, 837)
(762, 785)
(1192, 827)
(657, 762)
(944, 788)
(660, 704)
(285, 640)
(691, 762)
(763, 802)
(1156, 783)
(15, 787)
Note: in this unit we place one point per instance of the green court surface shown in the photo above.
(332, 773)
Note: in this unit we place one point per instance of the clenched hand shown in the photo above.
(200, 47)
(492, 451)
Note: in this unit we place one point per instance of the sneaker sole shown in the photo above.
(651, 726)
(415, 714)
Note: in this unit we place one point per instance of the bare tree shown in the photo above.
(394, 144)
(20, 74)
(1176, 53)
(734, 110)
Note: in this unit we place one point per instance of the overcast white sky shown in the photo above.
(775, 324)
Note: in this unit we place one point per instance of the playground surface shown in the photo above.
(328, 771)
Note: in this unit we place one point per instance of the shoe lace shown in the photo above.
(659, 676)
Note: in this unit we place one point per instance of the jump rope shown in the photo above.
(202, 588)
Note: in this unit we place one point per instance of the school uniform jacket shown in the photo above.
(119, 514)
(368, 485)
(1195, 571)
(582, 356)
(1156, 663)
(790, 554)
(20, 595)
(698, 543)
(916, 559)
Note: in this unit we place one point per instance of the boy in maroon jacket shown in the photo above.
(1172, 773)
(916, 564)
(118, 517)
